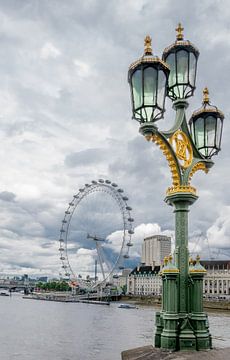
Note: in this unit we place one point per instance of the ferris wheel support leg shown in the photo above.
(100, 259)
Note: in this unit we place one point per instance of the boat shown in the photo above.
(127, 306)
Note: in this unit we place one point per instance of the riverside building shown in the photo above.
(154, 249)
(216, 283)
(146, 279)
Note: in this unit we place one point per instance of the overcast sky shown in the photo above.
(65, 119)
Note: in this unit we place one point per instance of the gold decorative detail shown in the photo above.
(148, 137)
(198, 268)
(174, 270)
(197, 271)
(166, 260)
(181, 188)
(179, 30)
(182, 148)
(205, 96)
(182, 42)
(196, 167)
(191, 261)
(170, 159)
(148, 59)
(148, 45)
(211, 109)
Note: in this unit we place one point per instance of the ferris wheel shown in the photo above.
(96, 233)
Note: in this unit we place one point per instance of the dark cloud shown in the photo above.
(86, 157)
(7, 196)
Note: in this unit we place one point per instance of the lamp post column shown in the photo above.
(181, 202)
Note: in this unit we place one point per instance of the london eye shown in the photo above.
(96, 234)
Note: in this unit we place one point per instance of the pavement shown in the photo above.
(151, 353)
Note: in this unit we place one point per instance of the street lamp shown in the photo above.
(181, 324)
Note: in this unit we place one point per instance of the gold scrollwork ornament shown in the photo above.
(182, 147)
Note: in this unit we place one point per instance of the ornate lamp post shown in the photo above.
(181, 324)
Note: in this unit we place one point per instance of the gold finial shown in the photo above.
(198, 259)
(179, 29)
(148, 45)
(191, 261)
(205, 96)
(166, 260)
(170, 258)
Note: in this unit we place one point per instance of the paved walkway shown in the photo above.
(151, 353)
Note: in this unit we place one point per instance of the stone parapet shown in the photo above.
(151, 353)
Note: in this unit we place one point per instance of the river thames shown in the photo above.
(41, 330)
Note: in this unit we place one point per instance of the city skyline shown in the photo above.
(66, 120)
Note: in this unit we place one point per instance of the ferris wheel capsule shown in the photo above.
(129, 244)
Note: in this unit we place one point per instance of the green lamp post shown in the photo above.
(181, 324)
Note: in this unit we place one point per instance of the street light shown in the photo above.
(181, 324)
(182, 58)
(206, 127)
(148, 79)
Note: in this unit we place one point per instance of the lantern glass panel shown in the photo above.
(192, 69)
(210, 129)
(218, 132)
(137, 88)
(182, 66)
(199, 132)
(150, 84)
(161, 88)
(172, 75)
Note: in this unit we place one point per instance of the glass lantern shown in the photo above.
(206, 128)
(147, 78)
(182, 58)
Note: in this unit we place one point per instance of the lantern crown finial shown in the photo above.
(148, 45)
(179, 30)
(205, 96)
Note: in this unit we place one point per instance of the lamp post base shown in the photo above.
(182, 332)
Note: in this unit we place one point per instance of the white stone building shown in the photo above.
(145, 280)
(154, 249)
(217, 281)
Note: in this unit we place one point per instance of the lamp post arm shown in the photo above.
(170, 155)
(180, 108)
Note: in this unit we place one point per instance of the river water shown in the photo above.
(42, 330)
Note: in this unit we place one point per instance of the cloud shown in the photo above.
(49, 51)
(66, 120)
(83, 69)
(219, 233)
